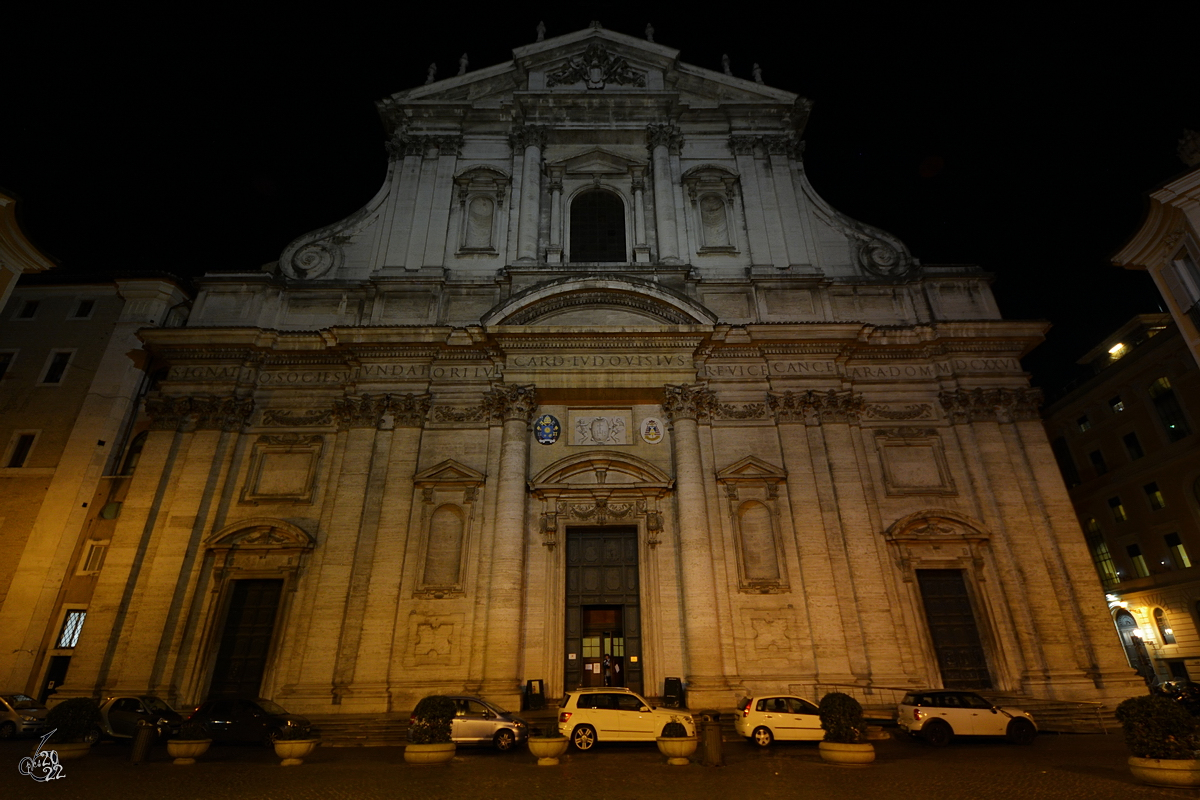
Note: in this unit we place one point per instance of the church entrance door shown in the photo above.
(953, 627)
(603, 618)
(246, 639)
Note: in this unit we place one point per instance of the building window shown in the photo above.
(1098, 462)
(1116, 404)
(93, 560)
(84, 309)
(1154, 496)
(598, 227)
(1139, 561)
(1084, 423)
(1165, 633)
(1133, 446)
(1179, 556)
(68, 637)
(134, 454)
(1066, 464)
(1101, 557)
(6, 360)
(19, 449)
(29, 310)
(1169, 410)
(56, 367)
(1118, 510)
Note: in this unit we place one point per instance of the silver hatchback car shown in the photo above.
(21, 714)
(476, 721)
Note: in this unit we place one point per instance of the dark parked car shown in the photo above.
(21, 714)
(242, 720)
(120, 716)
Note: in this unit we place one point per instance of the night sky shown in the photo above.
(1022, 141)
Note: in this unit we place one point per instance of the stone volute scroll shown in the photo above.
(259, 547)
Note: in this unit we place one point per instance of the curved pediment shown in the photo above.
(600, 468)
(598, 300)
(935, 524)
(261, 533)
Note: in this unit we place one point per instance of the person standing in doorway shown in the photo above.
(607, 664)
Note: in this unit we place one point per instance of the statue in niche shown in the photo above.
(756, 71)
(725, 65)
(541, 31)
(462, 64)
(431, 76)
(649, 33)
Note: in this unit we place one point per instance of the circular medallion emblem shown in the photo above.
(652, 430)
(546, 429)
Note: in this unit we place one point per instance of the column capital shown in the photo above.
(687, 402)
(814, 408)
(523, 136)
(664, 134)
(507, 403)
(199, 412)
(1000, 405)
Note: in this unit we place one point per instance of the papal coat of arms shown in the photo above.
(546, 429)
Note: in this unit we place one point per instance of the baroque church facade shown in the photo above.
(596, 373)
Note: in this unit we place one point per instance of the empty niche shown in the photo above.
(760, 562)
(443, 554)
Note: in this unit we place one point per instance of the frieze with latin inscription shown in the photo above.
(600, 361)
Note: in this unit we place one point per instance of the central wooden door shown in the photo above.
(246, 638)
(954, 630)
(603, 616)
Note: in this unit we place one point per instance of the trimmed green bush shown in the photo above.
(430, 723)
(294, 733)
(1156, 727)
(674, 730)
(74, 720)
(842, 719)
(192, 732)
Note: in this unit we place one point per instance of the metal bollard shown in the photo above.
(145, 736)
(710, 739)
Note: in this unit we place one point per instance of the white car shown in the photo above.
(613, 714)
(937, 715)
(784, 717)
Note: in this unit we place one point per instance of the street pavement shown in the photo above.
(1063, 767)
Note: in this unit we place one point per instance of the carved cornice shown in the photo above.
(511, 402)
(290, 439)
(747, 144)
(911, 411)
(596, 68)
(738, 411)
(407, 144)
(687, 402)
(663, 134)
(1000, 405)
(281, 418)
(523, 136)
(199, 412)
(905, 433)
(814, 408)
(459, 414)
(404, 410)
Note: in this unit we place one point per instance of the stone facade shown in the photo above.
(596, 370)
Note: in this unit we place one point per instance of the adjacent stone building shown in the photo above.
(596, 372)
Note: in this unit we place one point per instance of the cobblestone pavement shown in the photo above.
(1063, 767)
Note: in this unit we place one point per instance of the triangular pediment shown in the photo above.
(751, 469)
(449, 472)
(597, 161)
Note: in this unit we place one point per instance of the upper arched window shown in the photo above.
(598, 227)
(1164, 627)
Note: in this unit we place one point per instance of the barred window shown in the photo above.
(69, 635)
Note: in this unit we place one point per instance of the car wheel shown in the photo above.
(762, 737)
(938, 733)
(93, 736)
(7, 730)
(271, 737)
(504, 740)
(1021, 731)
(583, 737)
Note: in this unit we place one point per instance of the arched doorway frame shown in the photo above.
(255, 548)
(598, 488)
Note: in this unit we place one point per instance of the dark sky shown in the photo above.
(1022, 141)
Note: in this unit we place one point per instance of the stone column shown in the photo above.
(515, 407)
(531, 139)
(554, 251)
(662, 137)
(641, 252)
(683, 406)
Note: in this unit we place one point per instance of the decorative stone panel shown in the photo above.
(283, 468)
(913, 461)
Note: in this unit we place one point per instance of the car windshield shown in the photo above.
(269, 707)
(494, 708)
(156, 705)
(18, 701)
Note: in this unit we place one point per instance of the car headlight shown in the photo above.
(29, 719)
(520, 724)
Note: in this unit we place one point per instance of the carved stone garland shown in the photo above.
(199, 412)
(1001, 405)
(405, 410)
(814, 408)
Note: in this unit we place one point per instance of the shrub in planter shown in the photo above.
(192, 732)
(674, 730)
(74, 720)
(1156, 727)
(295, 733)
(430, 723)
(842, 719)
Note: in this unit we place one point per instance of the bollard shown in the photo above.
(710, 739)
(142, 739)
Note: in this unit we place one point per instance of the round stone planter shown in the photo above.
(677, 748)
(1182, 772)
(68, 751)
(849, 754)
(429, 753)
(293, 751)
(185, 751)
(547, 749)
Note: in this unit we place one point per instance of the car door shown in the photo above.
(806, 719)
(472, 723)
(219, 719)
(635, 723)
(778, 717)
(985, 720)
(961, 719)
(123, 716)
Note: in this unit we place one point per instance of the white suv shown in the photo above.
(937, 715)
(613, 714)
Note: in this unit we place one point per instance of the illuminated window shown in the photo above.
(1133, 446)
(72, 624)
(1164, 628)
(1154, 496)
(1139, 561)
(1101, 557)
(1170, 413)
(1116, 404)
(591, 646)
(1098, 462)
(1118, 510)
(1178, 552)
(1084, 423)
